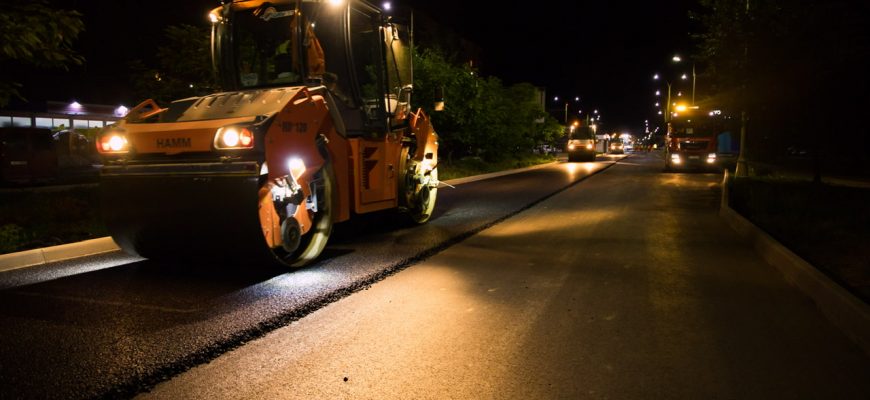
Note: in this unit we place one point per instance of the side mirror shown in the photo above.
(439, 98)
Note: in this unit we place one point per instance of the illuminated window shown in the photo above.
(60, 123)
(80, 124)
(23, 122)
(43, 122)
(5, 121)
(95, 124)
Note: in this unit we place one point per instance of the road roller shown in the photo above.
(312, 125)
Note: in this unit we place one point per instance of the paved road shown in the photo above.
(113, 325)
(626, 286)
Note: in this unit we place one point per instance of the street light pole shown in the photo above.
(693, 84)
(742, 169)
(566, 113)
(668, 104)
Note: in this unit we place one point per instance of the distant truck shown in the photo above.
(691, 141)
(581, 144)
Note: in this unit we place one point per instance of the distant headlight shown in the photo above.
(711, 158)
(571, 147)
(589, 146)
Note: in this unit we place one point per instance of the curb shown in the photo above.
(475, 178)
(847, 312)
(34, 257)
(61, 252)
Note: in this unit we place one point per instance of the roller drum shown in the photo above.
(202, 212)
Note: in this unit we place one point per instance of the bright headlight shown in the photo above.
(570, 147)
(113, 142)
(589, 146)
(233, 137)
(296, 167)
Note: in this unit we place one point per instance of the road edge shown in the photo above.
(35, 257)
(843, 309)
(30, 258)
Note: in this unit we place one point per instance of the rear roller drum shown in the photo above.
(418, 188)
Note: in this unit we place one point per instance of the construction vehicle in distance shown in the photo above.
(581, 143)
(314, 125)
(691, 141)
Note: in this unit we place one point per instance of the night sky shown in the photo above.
(604, 52)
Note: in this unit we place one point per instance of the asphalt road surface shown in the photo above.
(544, 284)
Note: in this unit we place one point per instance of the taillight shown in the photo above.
(233, 137)
(113, 142)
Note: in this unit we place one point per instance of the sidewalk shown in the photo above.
(849, 313)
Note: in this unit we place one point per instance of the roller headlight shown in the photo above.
(113, 142)
(296, 167)
(233, 138)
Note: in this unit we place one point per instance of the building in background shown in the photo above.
(58, 116)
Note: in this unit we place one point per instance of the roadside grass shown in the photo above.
(41, 218)
(827, 225)
(469, 166)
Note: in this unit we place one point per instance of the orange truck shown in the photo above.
(691, 141)
(314, 124)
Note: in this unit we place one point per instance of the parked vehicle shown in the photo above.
(27, 155)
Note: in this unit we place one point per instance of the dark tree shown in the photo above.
(34, 34)
(183, 66)
(797, 68)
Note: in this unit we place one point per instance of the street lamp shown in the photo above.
(576, 100)
(677, 59)
(667, 112)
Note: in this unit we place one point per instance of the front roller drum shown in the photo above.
(203, 215)
(185, 216)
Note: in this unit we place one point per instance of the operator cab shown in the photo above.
(353, 52)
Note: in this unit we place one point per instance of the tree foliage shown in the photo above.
(183, 66)
(798, 68)
(34, 34)
(482, 116)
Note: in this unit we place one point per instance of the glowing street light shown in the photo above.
(677, 59)
(576, 100)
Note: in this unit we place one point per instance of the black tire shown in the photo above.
(314, 241)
